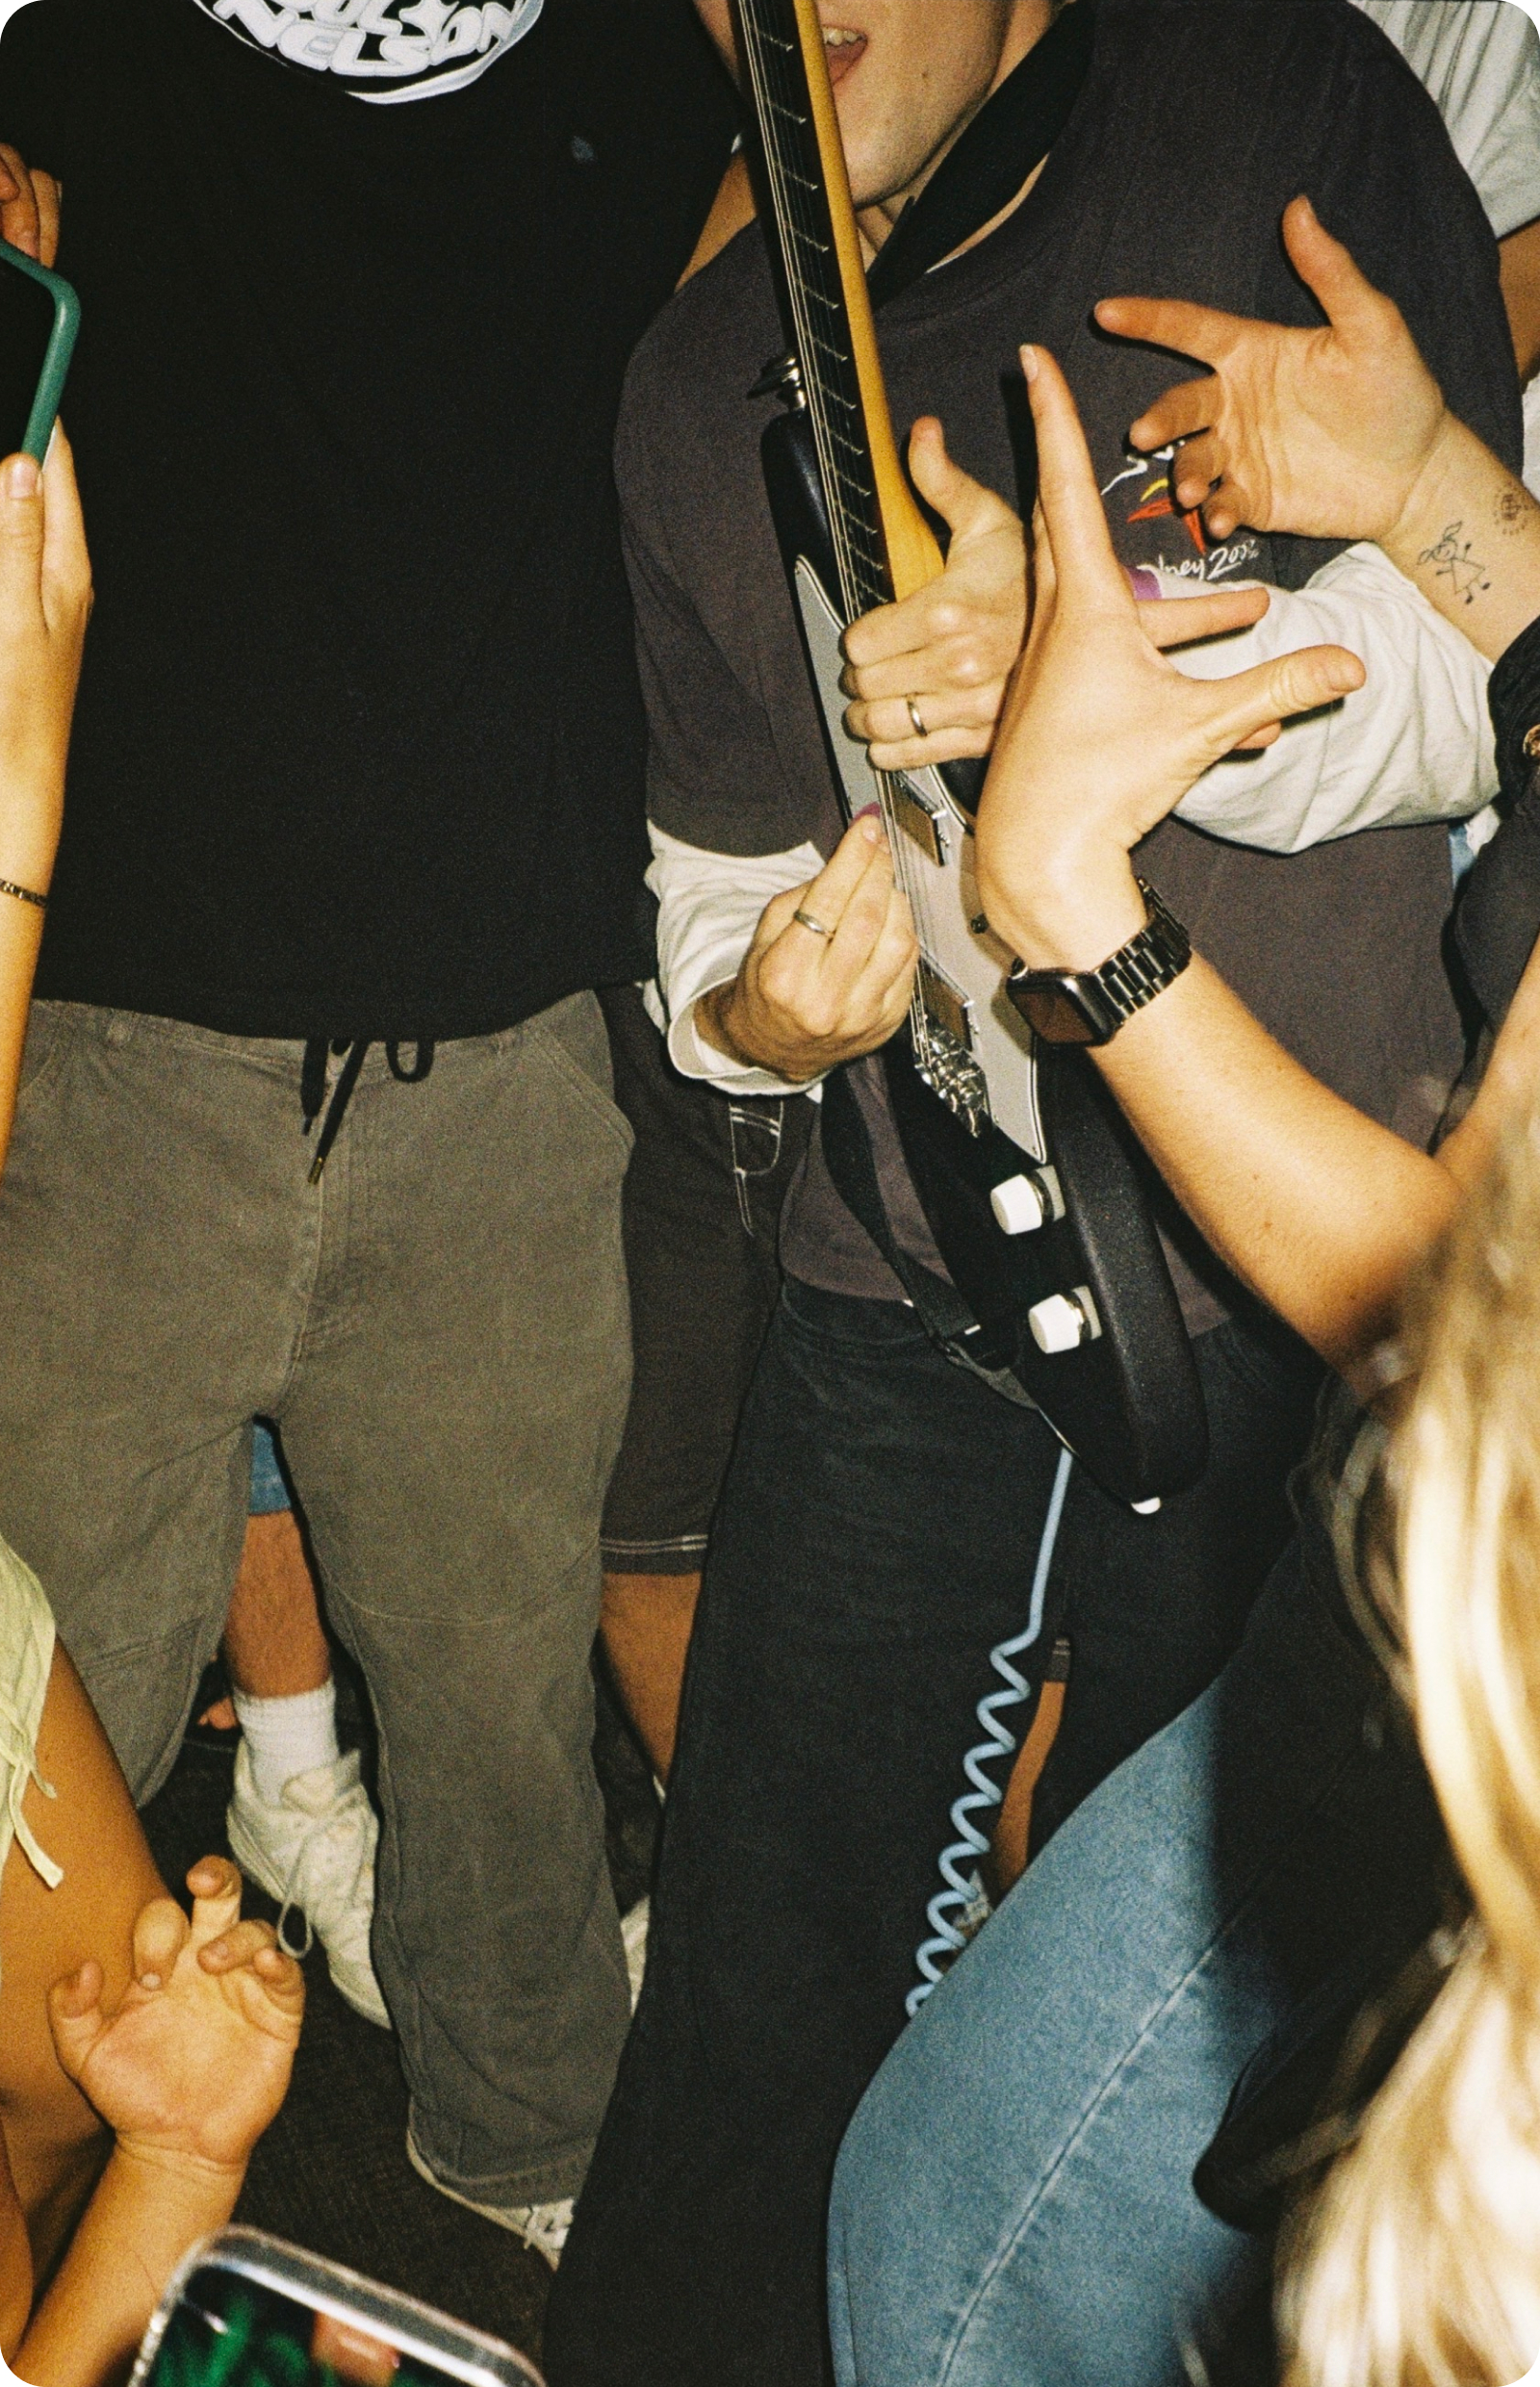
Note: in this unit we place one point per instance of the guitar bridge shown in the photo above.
(919, 819)
(943, 1049)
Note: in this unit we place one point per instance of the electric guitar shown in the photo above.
(1020, 1157)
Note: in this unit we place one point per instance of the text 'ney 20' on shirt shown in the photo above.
(1198, 121)
(359, 747)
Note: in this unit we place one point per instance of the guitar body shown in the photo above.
(981, 1108)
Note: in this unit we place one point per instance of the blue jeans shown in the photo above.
(1013, 2206)
(876, 1535)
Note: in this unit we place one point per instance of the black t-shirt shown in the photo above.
(359, 747)
(1198, 121)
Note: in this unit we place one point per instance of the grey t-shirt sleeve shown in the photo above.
(735, 756)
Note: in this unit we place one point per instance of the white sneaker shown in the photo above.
(544, 2227)
(633, 1939)
(316, 1854)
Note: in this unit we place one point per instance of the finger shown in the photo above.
(237, 1946)
(954, 657)
(967, 507)
(19, 212)
(830, 894)
(1191, 330)
(280, 1977)
(75, 2016)
(1183, 412)
(1176, 621)
(160, 1935)
(952, 745)
(66, 558)
(1068, 495)
(1272, 692)
(216, 1887)
(939, 708)
(21, 538)
(47, 194)
(1196, 470)
(894, 952)
(1351, 302)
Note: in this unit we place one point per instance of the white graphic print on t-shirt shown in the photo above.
(382, 49)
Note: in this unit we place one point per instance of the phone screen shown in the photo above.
(229, 2330)
(26, 328)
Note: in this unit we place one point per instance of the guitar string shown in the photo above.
(860, 589)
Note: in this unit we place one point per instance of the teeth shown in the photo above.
(835, 37)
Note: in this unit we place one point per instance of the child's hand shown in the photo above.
(194, 2062)
(44, 601)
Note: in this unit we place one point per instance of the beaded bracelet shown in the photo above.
(23, 894)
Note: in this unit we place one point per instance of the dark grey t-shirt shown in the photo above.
(1199, 120)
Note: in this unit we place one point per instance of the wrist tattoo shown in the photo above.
(1512, 509)
(1455, 562)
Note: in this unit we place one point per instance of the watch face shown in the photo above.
(1061, 1009)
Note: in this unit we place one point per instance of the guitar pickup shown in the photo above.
(946, 1007)
(921, 819)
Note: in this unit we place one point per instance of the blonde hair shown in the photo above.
(1419, 2265)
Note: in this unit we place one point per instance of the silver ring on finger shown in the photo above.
(920, 730)
(806, 920)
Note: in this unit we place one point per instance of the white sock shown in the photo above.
(288, 1737)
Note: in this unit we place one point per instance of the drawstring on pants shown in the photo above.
(351, 1052)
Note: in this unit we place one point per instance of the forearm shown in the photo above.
(20, 935)
(1320, 1211)
(142, 2219)
(1414, 743)
(1468, 536)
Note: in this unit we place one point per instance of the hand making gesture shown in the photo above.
(1340, 432)
(1102, 736)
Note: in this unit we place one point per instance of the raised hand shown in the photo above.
(44, 603)
(828, 975)
(1101, 734)
(1321, 433)
(29, 207)
(192, 2063)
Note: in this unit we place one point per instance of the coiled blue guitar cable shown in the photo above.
(962, 1891)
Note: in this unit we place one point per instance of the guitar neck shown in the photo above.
(883, 543)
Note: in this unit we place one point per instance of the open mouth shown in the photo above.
(843, 50)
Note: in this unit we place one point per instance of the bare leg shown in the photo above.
(646, 1622)
(54, 2143)
(273, 1643)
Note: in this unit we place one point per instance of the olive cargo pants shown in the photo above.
(440, 1327)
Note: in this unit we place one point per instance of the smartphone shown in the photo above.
(39, 315)
(244, 2310)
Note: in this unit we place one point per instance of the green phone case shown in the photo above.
(60, 347)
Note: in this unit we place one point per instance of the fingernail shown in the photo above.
(22, 477)
(870, 825)
(1029, 363)
(150, 1980)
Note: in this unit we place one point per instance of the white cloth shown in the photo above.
(26, 1663)
(1480, 61)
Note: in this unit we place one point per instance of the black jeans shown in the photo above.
(876, 1536)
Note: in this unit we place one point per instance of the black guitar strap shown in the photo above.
(940, 1307)
(985, 168)
(981, 175)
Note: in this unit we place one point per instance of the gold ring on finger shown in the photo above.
(920, 730)
(806, 920)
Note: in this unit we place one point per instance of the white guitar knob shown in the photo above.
(1063, 1320)
(1019, 1206)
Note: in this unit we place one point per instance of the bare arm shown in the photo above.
(44, 601)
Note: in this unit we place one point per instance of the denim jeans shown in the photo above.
(1013, 2205)
(876, 1536)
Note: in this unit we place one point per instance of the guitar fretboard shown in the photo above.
(804, 236)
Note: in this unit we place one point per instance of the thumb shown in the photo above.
(1270, 692)
(969, 509)
(75, 2017)
(1350, 302)
(21, 535)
